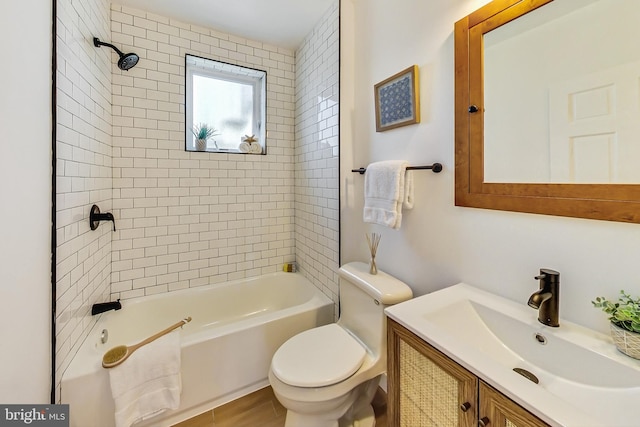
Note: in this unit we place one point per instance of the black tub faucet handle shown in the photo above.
(95, 217)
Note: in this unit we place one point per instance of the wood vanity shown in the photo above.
(426, 388)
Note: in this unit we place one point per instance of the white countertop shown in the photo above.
(584, 380)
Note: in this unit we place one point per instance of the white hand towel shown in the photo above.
(387, 188)
(148, 382)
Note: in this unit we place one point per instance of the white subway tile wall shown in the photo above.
(83, 168)
(189, 219)
(317, 149)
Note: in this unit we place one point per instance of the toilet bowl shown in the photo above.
(327, 376)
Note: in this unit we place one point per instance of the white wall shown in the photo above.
(440, 244)
(25, 210)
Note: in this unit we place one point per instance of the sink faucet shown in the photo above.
(547, 299)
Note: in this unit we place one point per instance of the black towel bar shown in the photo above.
(435, 168)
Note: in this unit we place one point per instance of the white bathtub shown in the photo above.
(226, 348)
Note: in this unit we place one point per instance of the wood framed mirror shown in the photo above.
(588, 185)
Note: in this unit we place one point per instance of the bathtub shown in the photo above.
(226, 348)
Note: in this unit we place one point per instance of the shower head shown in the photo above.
(126, 61)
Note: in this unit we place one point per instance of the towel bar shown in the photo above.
(436, 168)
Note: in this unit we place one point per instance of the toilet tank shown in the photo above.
(363, 298)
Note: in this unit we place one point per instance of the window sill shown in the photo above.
(223, 151)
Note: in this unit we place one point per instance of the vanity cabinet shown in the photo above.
(426, 388)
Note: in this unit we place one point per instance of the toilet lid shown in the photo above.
(318, 357)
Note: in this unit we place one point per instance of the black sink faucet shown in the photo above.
(105, 306)
(547, 299)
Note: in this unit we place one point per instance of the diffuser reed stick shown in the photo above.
(373, 242)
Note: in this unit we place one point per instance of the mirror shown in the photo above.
(573, 119)
(547, 108)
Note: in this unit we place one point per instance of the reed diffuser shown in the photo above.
(373, 242)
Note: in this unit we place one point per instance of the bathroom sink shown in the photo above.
(567, 376)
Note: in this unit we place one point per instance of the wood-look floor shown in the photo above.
(262, 409)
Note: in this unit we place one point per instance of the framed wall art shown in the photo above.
(397, 100)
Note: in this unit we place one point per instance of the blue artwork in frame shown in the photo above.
(397, 100)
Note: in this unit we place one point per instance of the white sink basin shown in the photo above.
(582, 379)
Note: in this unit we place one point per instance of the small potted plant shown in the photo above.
(624, 316)
(202, 133)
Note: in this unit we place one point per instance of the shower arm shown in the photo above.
(98, 43)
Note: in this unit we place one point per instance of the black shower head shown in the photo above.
(126, 61)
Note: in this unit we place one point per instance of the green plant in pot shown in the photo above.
(624, 316)
(202, 132)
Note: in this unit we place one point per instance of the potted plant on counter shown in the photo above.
(624, 316)
(202, 133)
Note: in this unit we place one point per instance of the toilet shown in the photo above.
(327, 376)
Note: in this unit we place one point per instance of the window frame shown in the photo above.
(226, 71)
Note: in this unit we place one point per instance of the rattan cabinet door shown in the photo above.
(500, 411)
(426, 389)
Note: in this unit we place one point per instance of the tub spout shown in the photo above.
(105, 306)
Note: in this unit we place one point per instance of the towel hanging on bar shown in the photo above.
(388, 187)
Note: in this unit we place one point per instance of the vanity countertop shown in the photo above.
(583, 380)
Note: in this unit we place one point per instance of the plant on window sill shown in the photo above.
(202, 132)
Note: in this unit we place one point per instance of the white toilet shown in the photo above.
(327, 376)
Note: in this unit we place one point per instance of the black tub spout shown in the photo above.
(105, 306)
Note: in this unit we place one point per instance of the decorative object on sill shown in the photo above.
(256, 148)
(202, 132)
(250, 145)
(435, 168)
(388, 187)
(373, 242)
(95, 217)
(397, 100)
(624, 316)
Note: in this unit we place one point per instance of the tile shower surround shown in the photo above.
(184, 219)
(188, 219)
(317, 215)
(84, 171)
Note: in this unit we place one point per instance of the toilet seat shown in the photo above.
(318, 357)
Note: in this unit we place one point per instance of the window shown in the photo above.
(231, 100)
